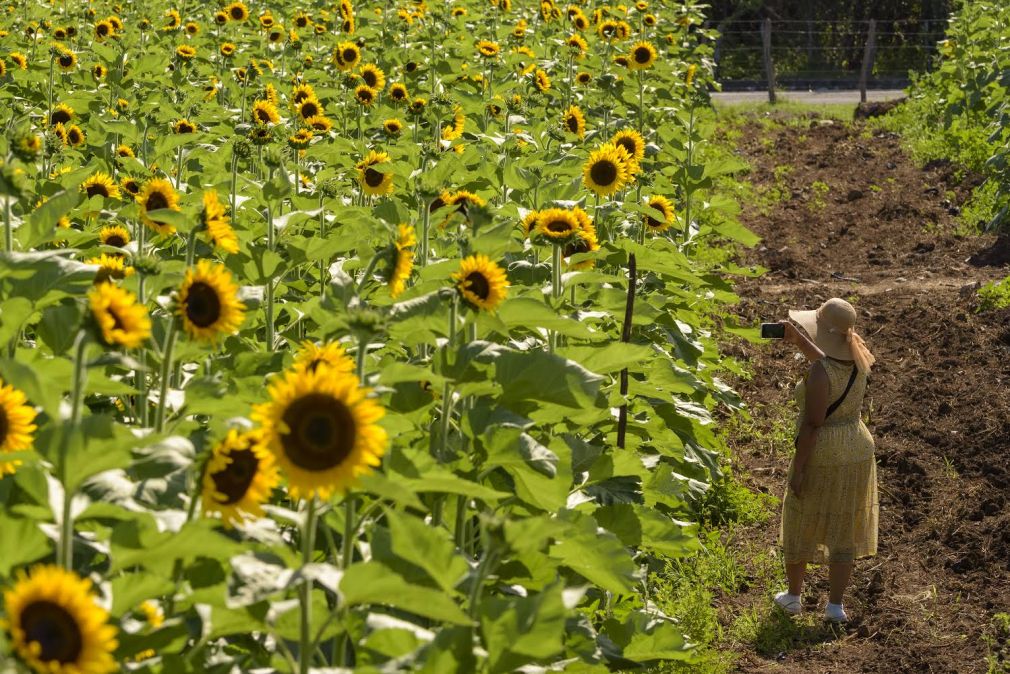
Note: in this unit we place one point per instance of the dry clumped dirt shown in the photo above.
(883, 236)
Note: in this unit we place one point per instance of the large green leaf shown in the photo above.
(541, 376)
(428, 547)
(595, 554)
(373, 583)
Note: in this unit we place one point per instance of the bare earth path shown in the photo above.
(881, 234)
(806, 97)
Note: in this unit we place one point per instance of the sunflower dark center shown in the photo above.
(373, 178)
(628, 145)
(263, 115)
(74, 136)
(117, 323)
(132, 187)
(349, 55)
(322, 433)
(156, 201)
(604, 172)
(102, 29)
(653, 222)
(4, 426)
(579, 245)
(559, 226)
(203, 306)
(66, 61)
(370, 78)
(97, 188)
(309, 109)
(642, 55)
(411, 66)
(115, 240)
(478, 284)
(55, 631)
(573, 124)
(236, 13)
(365, 95)
(235, 479)
(397, 94)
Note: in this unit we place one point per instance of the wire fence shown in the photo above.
(805, 51)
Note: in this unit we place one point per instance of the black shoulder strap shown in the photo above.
(848, 387)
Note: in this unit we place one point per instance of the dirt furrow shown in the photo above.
(854, 217)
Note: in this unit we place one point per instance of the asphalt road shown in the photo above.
(810, 97)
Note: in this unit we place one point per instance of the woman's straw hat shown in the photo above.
(829, 326)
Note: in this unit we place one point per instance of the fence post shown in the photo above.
(868, 55)
(766, 39)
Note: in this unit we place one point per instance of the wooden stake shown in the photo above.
(766, 39)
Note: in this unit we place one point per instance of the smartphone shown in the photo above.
(772, 331)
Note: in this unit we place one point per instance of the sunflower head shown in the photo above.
(309, 107)
(488, 49)
(120, 319)
(365, 95)
(74, 136)
(17, 421)
(61, 114)
(642, 56)
(265, 112)
(208, 303)
(322, 428)
(218, 224)
(481, 282)
(373, 76)
(237, 11)
(241, 474)
(300, 139)
(665, 207)
(398, 92)
(115, 236)
(157, 194)
(183, 126)
(392, 126)
(110, 267)
(373, 181)
(606, 170)
(346, 56)
(57, 625)
(100, 184)
(556, 225)
(583, 78)
(328, 354)
(584, 241)
(574, 121)
(185, 52)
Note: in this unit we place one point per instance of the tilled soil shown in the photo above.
(882, 236)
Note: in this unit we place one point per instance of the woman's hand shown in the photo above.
(796, 483)
(792, 335)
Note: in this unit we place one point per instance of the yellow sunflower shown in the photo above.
(237, 11)
(208, 302)
(74, 136)
(528, 222)
(642, 56)
(62, 114)
(227, 49)
(56, 624)
(65, 58)
(19, 59)
(373, 76)
(183, 126)
(365, 94)
(121, 320)
(403, 265)
(215, 219)
(481, 282)
(633, 144)
(574, 121)
(100, 184)
(455, 130)
(346, 56)
(265, 112)
(557, 224)
(17, 425)
(319, 123)
(114, 235)
(157, 194)
(606, 170)
(488, 49)
(329, 354)
(185, 52)
(392, 126)
(301, 92)
(664, 206)
(110, 267)
(300, 139)
(240, 475)
(584, 241)
(98, 71)
(542, 80)
(130, 185)
(583, 78)
(172, 20)
(322, 428)
(398, 92)
(373, 182)
(125, 151)
(309, 108)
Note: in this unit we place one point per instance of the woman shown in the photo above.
(829, 513)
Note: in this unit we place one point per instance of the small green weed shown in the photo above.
(820, 190)
(994, 295)
(997, 643)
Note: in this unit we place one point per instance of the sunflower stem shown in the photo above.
(178, 168)
(8, 232)
(425, 232)
(447, 389)
(687, 185)
(166, 368)
(641, 102)
(65, 554)
(308, 545)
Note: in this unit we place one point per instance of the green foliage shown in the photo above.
(994, 295)
(997, 642)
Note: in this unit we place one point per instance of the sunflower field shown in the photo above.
(368, 335)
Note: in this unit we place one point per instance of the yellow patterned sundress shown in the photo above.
(835, 517)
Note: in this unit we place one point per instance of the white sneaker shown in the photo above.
(835, 613)
(790, 603)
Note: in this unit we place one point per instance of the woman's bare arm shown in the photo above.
(816, 407)
(802, 342)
